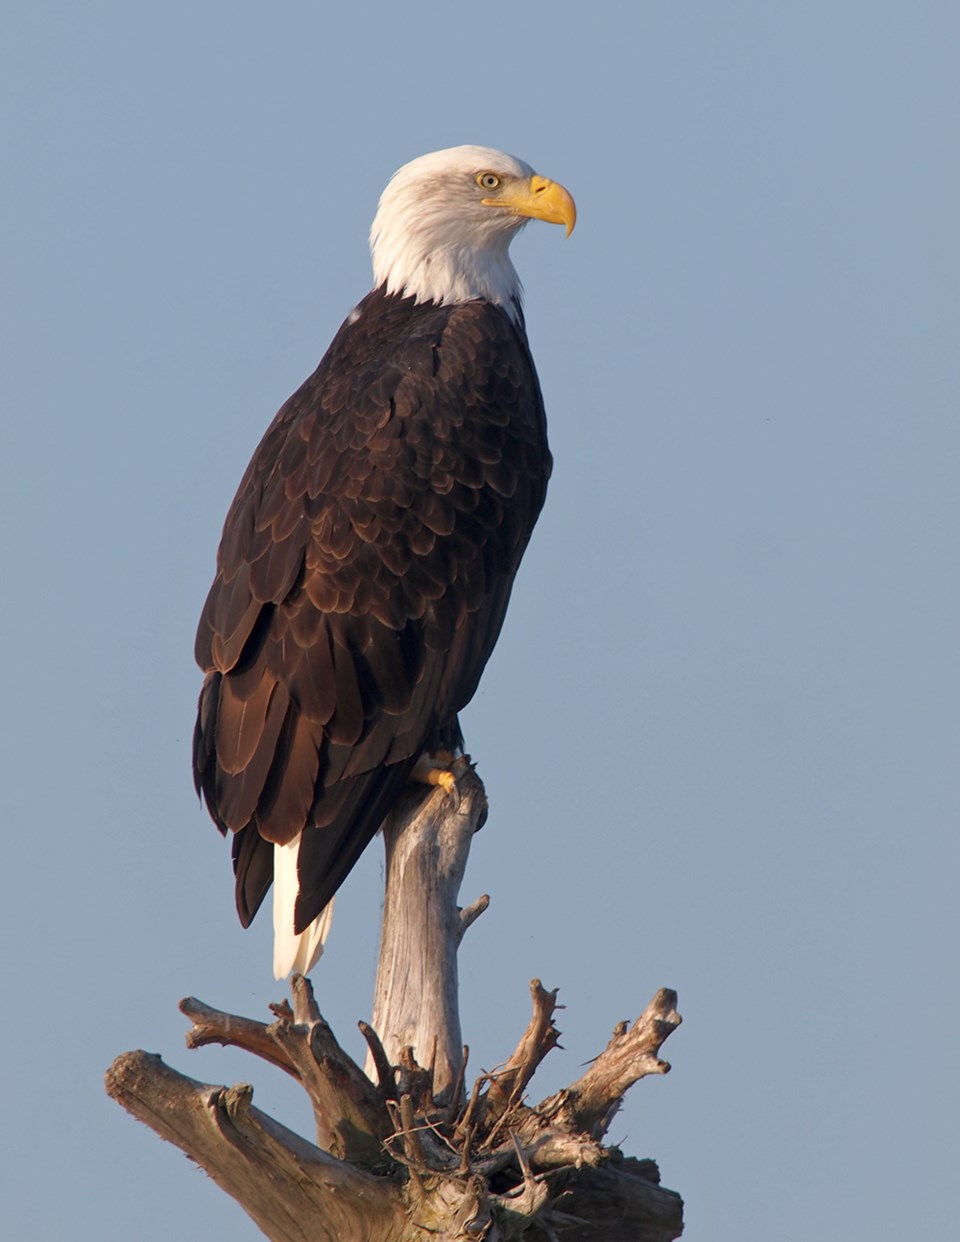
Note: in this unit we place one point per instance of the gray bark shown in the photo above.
(416, 999)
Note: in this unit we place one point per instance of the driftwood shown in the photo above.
(414, 1156)
(416, 996)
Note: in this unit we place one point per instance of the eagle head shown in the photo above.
(443, 228)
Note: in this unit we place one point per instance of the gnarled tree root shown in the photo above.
(401, 1161)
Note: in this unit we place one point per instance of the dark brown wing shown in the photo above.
(362, 580)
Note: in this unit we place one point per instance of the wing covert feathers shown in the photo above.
(362, 579)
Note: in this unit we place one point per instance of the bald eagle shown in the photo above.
(367, 558)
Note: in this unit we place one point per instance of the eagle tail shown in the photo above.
(293, 952)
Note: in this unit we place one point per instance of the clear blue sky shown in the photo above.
(720, 732)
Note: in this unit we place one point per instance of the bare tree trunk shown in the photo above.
(414, 1157)
(416, 1000)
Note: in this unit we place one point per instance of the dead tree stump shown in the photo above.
(413, 1156)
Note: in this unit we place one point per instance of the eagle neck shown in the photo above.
(413, 264)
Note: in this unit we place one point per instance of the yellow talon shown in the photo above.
(444, 778)
(431, 770)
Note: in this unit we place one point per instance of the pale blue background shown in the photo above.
(720, 732)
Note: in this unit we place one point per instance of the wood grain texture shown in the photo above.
(416, 1001)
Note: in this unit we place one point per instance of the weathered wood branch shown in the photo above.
(415, 1158)
(568, 1127)
(622, 1201)
(210, 1026)
(509, 1083)
(591, 1102)
(416, 999)
(293, 1191)
(351, 1117)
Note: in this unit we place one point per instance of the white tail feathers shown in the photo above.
(290, 951)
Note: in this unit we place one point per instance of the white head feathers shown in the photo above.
(435, 238)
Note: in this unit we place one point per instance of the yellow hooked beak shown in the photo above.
(540, 199)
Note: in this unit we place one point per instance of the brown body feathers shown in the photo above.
(362, 579)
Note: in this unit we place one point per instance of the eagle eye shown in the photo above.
(488, 181)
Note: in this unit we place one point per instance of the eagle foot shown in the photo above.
(439, 770)
(444, 778)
